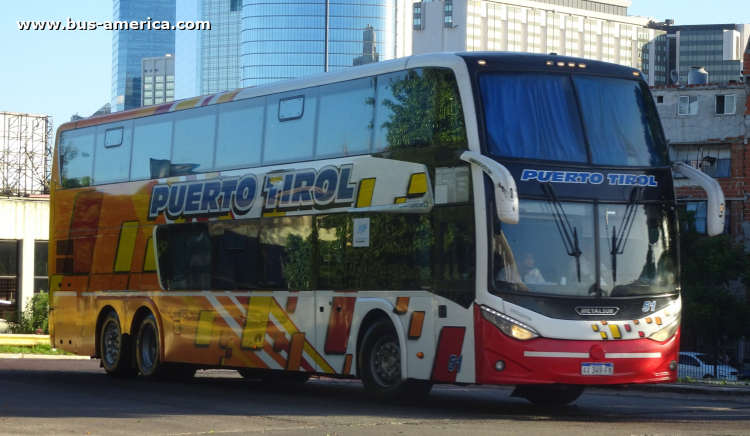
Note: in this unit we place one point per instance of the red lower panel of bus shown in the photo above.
(520, 368)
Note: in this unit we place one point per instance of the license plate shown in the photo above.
(597, 368)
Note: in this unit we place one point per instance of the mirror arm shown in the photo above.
(715, 209)
(506, 194)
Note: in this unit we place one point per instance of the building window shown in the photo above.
(148, 79)
(41, 283)
(235, 5)
(9, 265)
(448, 13)
(418, 16)
(170, 93)
(159, 79)
(148, 86)
(147, 94)
(170, 85)
(170, 78)
(714, 161)
(660, 99)
(725, 104)
(158, 100)
(687, 105)
(698, 211)
(148, 102)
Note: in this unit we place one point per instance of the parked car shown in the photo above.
(702, 366)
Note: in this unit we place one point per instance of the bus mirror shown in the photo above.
(506, 195)
(715, 209)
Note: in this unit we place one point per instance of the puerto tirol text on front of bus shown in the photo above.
(582, 237)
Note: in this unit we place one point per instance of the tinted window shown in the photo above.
(112, 163)
(346, 118)
(235, 254)
(291, 140)
(77, 157)
(184, 254)
(286, 253)
(152, 142)
(621, 122)
(398, 257)
(532, 117)
(193, 149)
(418, 108)
(240, 134)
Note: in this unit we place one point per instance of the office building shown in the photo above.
(157, 86)
(287, 39)
(717, 48)
(599, 30)
(208, 61)
(129, 47)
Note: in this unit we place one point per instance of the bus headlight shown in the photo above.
(667, 332)
(509, 326)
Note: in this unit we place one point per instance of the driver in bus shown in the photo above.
(528, 272)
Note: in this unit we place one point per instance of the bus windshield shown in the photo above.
(536, 116)
(556, 247)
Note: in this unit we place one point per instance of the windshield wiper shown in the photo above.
(619, 241)
(568, 233)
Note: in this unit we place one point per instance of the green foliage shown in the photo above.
(35, 319)
(34, 349)
(297, 257)
(713, 271)
(426, 110)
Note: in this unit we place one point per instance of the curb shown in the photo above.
(42, 356)
(741, 391)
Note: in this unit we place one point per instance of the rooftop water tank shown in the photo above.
(697, 76)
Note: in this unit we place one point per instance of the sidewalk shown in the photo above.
(42, 356)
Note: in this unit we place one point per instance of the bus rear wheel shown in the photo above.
(549, 395)
(148, 349)
(380, 365)
(115, 349)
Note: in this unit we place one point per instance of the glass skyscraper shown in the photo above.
(129, 47)
(287, 39)
(208, 61)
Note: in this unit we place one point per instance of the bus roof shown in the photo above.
(504, 60)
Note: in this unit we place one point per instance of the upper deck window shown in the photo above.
(532, 116)
(621, 122)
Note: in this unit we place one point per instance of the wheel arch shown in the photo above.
(372, 310)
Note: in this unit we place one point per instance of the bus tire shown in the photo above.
(549, 396)
(148, 350)
(115, 349)
(380, 364)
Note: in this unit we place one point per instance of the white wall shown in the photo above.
(26, 220)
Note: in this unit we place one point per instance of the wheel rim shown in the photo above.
(111, 352)
(149, 349)
(385, 362)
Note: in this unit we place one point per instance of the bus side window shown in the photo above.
(193, 144)
(184, 255)
(112, 158)
(76, 157)
(235, 254)
(286, 248)
(291, 139)
(430, 92)
(152, 142)
(240, 134)
(352, 101)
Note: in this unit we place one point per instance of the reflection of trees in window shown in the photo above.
(425, 110)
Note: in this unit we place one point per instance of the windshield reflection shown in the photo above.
(534, 255)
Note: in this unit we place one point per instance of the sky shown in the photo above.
(61, 73)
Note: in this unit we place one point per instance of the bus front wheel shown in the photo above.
(115, 349)
(380, 365)
(148, 349)
(549, 395)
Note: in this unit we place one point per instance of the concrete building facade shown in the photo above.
(157, 86)
(599, 30)
(708, 127)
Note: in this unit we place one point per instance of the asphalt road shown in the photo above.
(42, 397)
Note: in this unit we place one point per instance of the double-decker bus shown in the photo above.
(473, 218)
